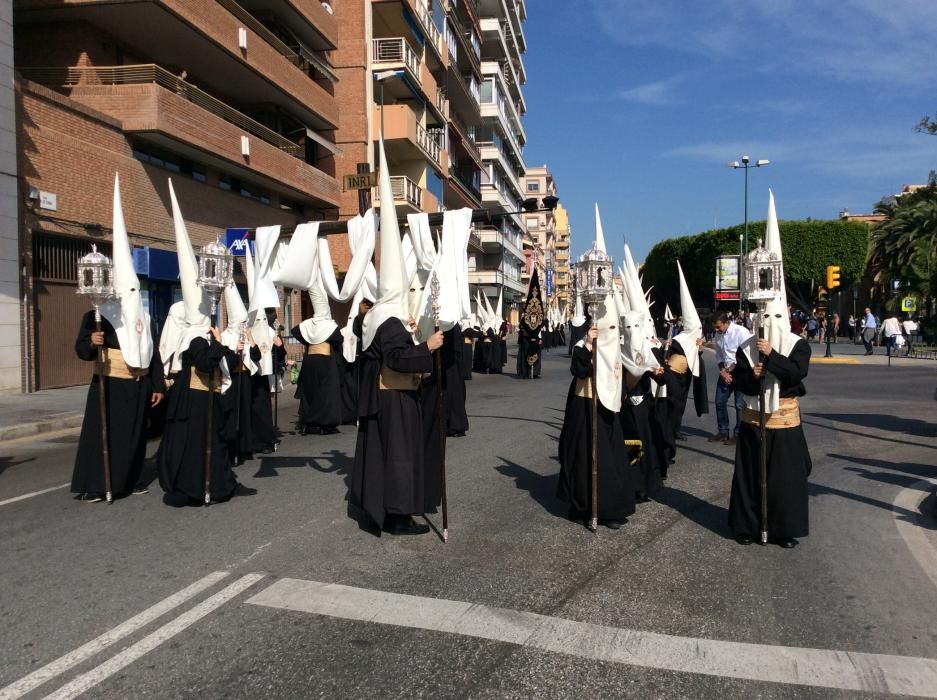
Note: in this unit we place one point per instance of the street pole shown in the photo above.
(745, 234)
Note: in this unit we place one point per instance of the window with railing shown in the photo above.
(476, 43)
(452, 43)
(396, 50)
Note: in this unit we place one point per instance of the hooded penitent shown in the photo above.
(637, 298)
(126, 313)
(636, 355)
(392, 281)
(775, 320)
(692, 329)
(532, 319)
(189, 318)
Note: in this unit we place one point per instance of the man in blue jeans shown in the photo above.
(728, 337)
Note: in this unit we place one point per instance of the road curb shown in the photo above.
(64, 421)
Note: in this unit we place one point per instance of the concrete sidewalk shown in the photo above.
(26, 415)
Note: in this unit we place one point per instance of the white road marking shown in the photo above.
(901, 675)
(30, 495)
(909, 499)
(98, 644)
(88, 680)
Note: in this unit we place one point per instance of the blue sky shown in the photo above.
(639, 104)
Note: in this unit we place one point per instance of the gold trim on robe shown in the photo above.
(199, 380)
(319, 349)
(398, 381)
(787, 416)
(678, 364)
(115, 367)
(584, 388)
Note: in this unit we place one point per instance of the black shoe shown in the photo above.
(576, 516)
(404, 525)
(329, 430)
(614, 524)
(242, 490)
(788, 543)
(680, 436)
(744, 539)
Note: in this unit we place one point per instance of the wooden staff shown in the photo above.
(210, 419)
(440, 415)
(594, 520)
(102, 405)
(762, 430)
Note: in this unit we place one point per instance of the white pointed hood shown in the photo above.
(320, 327)
(636, 355)
(392, 280)
(579, 315)
(126, 313)
(236, 328)
(692, 328)
(189, 318)
(499, 311)
(775, 320)
(599, 231)
(608, 355)
(638, 300)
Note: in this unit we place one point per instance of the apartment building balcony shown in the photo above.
(395, 53)
(495, 47)
(494, 239)
(403, 18)
(403, 134)
(562, 242)
(561, 256)
(158, 107)
(221, 42)
(490, 152)
(408, 196)
(494, 279)
(513, 111)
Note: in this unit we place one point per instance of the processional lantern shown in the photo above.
(96, 278)
(594, 277)
(762, 276)
(215, 271)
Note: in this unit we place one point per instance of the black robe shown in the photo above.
(616, 487)
(788, 462)
(528, 355)
(238, 430)
(128, 403)
(487, 354)
(503, 345)
(660, 423)
(319, 388)
(182, 451)
(637, 424)
(389, 475)
(453, 384)
(576, 333)
(468, 351)
(678, 390)
(265, 435)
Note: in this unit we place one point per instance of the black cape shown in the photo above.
(637, 424)
(182, 451)
(319, 388)
(788, 463)
(389, 475)
(468, 351)
(616, 487)
(128, 403)
(678, 391)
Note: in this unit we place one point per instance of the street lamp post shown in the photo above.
(746, 165)
(381, 77)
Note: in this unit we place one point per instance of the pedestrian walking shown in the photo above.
(851, 326)
(891, 333)
(910, 328)
(869, 326)
(729, 337)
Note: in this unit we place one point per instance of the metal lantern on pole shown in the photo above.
(215, 271)
(96, 281)
(593, 281)
(762, 281)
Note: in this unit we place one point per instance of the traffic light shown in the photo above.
(832, 277)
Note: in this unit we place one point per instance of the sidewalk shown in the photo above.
(25, 415)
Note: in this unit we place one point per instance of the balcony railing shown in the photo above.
(432, 31)
(404, 189)
(396, 50)
(89, 76)
(428, 143)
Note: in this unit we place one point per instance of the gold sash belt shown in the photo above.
(487, 340)
(467, 341)
(114, 366)
(678, 364)
(319, 349)
(584, 388)
(398, 381)
(199, 380)
(787, 416)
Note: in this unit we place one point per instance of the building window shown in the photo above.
(533, 186)
(533, 223)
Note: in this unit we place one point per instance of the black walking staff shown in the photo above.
(762, 432)
(95, 280)
(593, 385)
(440, 416)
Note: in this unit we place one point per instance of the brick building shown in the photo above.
(234, 100)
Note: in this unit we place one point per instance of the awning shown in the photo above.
(324, 142)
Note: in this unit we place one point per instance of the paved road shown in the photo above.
(139, 600)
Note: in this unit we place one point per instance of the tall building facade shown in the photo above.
(11, 363)
(232, 99)
(546, 243)
(442, 79)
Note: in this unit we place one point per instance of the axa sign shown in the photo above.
(238, 240)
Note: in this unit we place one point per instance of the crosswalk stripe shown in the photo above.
(901, 675)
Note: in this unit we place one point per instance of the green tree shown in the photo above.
(809, 246)
(904, 245)
(927, 125)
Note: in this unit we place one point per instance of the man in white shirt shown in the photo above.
(891, 329)
(728, 337)
(910, 327)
